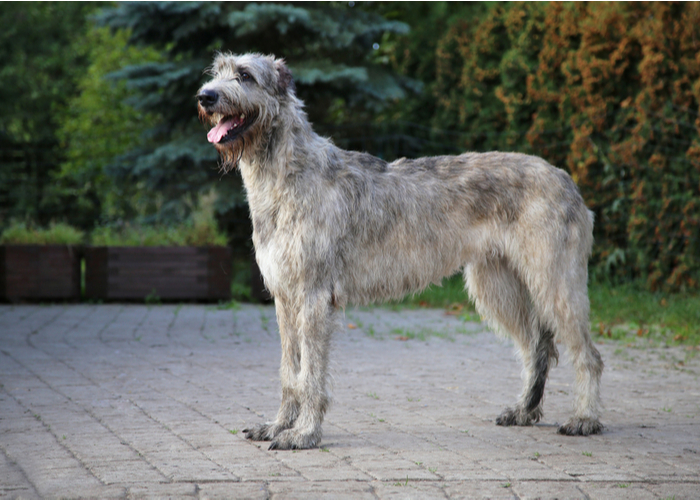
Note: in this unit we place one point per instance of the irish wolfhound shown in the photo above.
(332, 227)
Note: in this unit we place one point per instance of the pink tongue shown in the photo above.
(221, 129)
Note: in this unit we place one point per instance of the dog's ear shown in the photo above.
(285, 82)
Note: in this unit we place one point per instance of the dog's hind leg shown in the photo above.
(560, 293)
(588, 366)
(503, 299)
(289, 371)
(571, 316)
(316, 323)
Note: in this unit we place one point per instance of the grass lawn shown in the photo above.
(625, 313)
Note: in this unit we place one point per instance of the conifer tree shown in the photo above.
(328, 46)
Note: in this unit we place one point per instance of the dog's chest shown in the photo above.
(277, 249)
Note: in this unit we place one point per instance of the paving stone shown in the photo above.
(135, 401)
(158, 491)
(340, 490)
(125, 472)
(676, 491)
(547, 490)
(622, 490)
(409, 489)
(14, 484)
(239, 491)
(473, 490)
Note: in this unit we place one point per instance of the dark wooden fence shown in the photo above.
(169, 273)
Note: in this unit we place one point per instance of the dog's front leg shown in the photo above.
(287, 319)
(316, 322)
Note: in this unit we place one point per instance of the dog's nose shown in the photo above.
(207, 97)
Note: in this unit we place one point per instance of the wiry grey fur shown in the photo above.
(333, 227)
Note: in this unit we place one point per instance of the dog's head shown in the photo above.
(241, 101)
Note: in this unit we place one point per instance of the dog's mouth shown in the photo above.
(229, 128)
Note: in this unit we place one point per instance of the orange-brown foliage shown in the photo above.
(609, 91)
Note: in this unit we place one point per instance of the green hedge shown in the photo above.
(608, 91)
(23, 233)
(186, 234)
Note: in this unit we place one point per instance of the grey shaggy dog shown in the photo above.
(333, 227)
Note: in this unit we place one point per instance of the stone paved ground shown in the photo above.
(130, 401)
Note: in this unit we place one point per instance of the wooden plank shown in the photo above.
(134, 273)
(41, 272)
(96, 274)
(220, 272)
(3, 273)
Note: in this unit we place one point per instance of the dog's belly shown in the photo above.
(395, 267)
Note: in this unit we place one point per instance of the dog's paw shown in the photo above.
(581, 427)
(508, 417)
(518, 416)
(263, 432)
(293, 439)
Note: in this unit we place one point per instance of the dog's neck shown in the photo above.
(283, 150)
(286, 148)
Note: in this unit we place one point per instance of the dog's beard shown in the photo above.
(231, 153)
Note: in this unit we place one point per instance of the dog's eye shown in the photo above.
(245, 76)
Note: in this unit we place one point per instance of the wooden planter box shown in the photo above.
(166, 273)
(39, 272)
